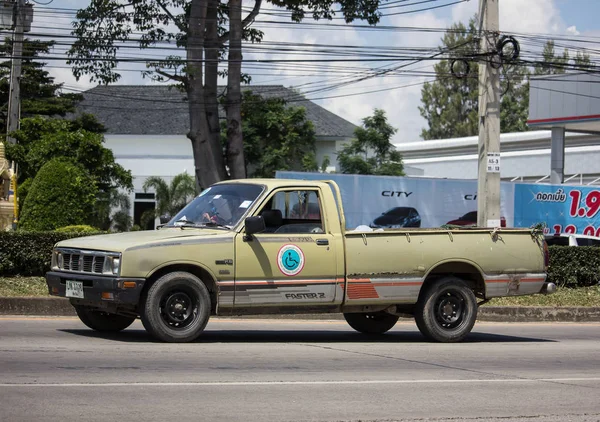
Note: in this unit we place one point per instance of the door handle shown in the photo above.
(322, 242)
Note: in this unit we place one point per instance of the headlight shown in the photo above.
(112, 265)
(116, 265)
(54, 261)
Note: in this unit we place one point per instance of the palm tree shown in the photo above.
(121, 219)
(171, 198)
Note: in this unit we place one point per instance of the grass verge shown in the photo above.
(23, 286)
(583, 296)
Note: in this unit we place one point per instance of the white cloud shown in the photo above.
(573, 30)
(531, 16)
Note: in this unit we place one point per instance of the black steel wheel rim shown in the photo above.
(450, 308)
(179, 308)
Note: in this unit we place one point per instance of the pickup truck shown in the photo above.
(260, 246)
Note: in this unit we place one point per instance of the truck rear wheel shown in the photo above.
(176, 308)
(102, 321)
(371, 323)
(446, 311)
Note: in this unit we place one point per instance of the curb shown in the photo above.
(53, 306)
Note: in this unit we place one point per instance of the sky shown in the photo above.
(334, 80)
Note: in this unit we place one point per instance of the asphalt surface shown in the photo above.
(54, 369)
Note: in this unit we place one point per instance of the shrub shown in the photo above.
(574, 266)
(77, 229)
(29, 253)
(62, 194)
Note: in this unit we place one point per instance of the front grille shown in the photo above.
(83, 261)
(88, 263)
(75, 262)
(98, 264)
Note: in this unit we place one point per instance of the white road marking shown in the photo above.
(279, 383)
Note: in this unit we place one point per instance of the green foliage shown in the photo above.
(61, 194)
(450, 105)
(30, 253)
(276, 136)
(325, 163)
(372, 152)
(574, 266)
(121, 219)
(109, 22)
(22, 192)
(41, 139)
(170, 198)
(39, 94)
(81, 228)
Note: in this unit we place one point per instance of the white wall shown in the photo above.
(533, 164)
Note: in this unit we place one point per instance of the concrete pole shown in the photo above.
(488, 181)
(14, 99)
(557, 156)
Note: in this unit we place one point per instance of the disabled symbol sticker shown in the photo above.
(290, 260)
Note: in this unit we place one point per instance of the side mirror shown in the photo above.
(164, 219)
(254, 225)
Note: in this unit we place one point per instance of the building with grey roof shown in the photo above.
(147, 126)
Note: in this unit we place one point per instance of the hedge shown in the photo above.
(574, 266)
(29, 253)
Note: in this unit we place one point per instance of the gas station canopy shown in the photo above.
(568, 101)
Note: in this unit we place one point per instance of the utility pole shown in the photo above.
(14, 99)
(488, 181)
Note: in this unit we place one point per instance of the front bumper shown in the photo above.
(94, 286)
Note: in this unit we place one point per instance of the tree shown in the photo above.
(372, 152)
(62, 194)
(39, 94)
(207, 30)
(551, 63)
(41, 139)
(113, 211)
(450, 104)
(172, 197)
(276, 136)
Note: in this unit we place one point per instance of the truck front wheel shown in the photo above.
(371, 323)
(102, 321)
(446, 311)
(176, 308)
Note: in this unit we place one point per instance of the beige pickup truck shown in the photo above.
(280, 246)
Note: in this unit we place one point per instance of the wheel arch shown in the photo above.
(466, 270)
(203, 273)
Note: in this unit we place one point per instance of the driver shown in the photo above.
(212, 215)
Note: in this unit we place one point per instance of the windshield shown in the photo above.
(220, 205)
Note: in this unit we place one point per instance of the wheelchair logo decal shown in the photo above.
(290, 260)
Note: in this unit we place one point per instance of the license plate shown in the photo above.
(74, 289)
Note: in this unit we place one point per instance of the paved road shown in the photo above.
(53, 369)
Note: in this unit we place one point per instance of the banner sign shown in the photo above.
(394, 202)
(564, 209)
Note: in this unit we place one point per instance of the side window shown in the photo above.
(294, 211)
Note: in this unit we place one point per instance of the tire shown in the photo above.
(446, 311)
(102, 321)
(371, 323)
(176, 308)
